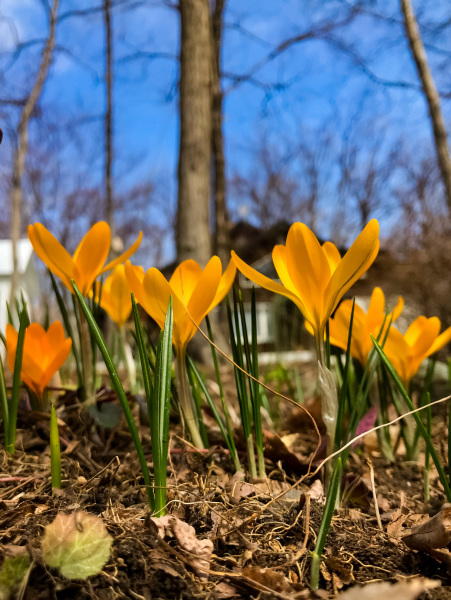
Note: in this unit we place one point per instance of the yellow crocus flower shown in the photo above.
(44, 352)
(195, 292)
(315, 277)
(115, 296)
(88, 261)
(364, 324)
(422, 339)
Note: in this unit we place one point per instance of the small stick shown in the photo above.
(373, 487)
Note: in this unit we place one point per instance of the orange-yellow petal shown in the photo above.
(205, 290)
(309, 270)
(332, 254)
(185, 279)
(52, 253)
(443, 339)
(225, 284)
(355, 262)
(61, 354)
(91, 254)
(264, 281)
(124, 256)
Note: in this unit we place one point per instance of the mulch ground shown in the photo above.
(262, 539)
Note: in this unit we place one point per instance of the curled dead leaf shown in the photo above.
(200, 550)
(434, 533)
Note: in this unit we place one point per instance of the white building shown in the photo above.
(28, 276)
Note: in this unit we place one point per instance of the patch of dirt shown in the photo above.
(262, 544)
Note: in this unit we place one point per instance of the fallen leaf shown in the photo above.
(403, 590)
(237, 488)
(77, 544)
(201, 550)
(433, 533)
(274, 580)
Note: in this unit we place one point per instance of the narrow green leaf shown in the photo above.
(334, 488)
(228, 436)
(417, 417)
(55, 450)
(118, 388)
(68, 327)
(161, 402)
(4, 401)
(14, 407)
(344, 386)
(145, 366)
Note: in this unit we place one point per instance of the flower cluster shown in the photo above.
(314, 276)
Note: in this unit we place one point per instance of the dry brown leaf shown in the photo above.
(276, 450)
(395, 528)
(237, 488)
(201, 550)
(403, 590)
(224, 590)
(274, 580)
(316, 492)
(434, 533)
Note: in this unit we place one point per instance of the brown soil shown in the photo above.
(262, 546)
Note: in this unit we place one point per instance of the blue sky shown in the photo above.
(323, 88)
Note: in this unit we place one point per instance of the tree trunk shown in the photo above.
(22, 145)
(221, 242)
(432, 97)
(109, 207)
(193, 220)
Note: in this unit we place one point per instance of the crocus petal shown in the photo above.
(415, 330)
(376, 308)
(157, 292)
(443, 339)
(355, 262)
(52, 253)
(398, 308)
(57, 362)
(308, 268)
(115, 297)
(124, 256)
(185, 279)
(397, 351)
(264, 282)
(205, 291)
(91, 254)
(225, 284)
(135, 278)
(55, 334)
(424, 341)
(332, 254)
(11, 345)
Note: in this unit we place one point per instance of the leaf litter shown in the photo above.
(224, 536)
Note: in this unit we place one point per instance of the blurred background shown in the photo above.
(213, 125)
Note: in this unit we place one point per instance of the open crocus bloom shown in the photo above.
(195, 293)
(315, 277)
(44, 352)
(88, 261)
(364, 324)
(115, 296)
(422, 339)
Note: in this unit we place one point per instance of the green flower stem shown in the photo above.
(86, 359)
(126, 356)
(186, 399)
